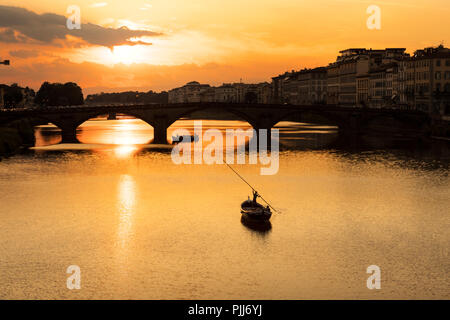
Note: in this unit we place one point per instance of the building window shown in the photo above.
(438, 87)
(438, 63)
(438, 75)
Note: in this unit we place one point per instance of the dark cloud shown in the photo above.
(24, 54)
(19, 25)
(10, 36)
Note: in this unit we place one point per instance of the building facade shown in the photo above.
(226, 93)
(381, 86)
(367, 78)
(190, 92)
(430, 79)
(349, 76)
(312, 86)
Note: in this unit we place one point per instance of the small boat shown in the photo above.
(180, 139)
(252, 210)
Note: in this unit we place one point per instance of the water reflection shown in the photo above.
(204, 125)
(302, 136)
(125, 137)
(132, 132)
(124, 131)
(345, 209)
(259, 227)
(126, 198)
(124, 151)
(47, 135)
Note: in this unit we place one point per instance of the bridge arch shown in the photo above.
(243, 116)
(42, 136)
(69, 123)
(212, 112)
(112, 132)
(93, 115)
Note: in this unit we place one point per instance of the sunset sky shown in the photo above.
(171, 42)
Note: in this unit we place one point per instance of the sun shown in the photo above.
(126, 54)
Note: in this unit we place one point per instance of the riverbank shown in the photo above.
(16, 135)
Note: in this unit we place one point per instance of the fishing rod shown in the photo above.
(251, 187)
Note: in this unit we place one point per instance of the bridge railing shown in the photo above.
(36, 108)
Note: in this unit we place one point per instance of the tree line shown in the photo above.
(16, 96)
(70, 94)
(49, 94)
(129, 97)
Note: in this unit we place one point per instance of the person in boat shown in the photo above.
(255, 196)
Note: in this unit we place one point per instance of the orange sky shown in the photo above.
(210, 41)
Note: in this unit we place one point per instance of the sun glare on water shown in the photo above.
(122, 136)
(123, 151)
(125, 139)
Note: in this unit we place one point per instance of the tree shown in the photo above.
(12, 95)
(129, 97)
(57, 94)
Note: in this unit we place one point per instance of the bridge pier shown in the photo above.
(69, 134)
(263, 127)
(264, 134)
(160, 134)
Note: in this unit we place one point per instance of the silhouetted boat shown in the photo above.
(251, 209)
(178, 139)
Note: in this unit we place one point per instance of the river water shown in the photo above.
(141, 227)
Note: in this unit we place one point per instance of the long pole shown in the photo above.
(250, 186)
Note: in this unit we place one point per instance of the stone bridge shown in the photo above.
(259, 116)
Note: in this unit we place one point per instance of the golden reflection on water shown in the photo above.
(47, 135)
(125, 136)
(117, 132)
(126, 198)
(124, 151)
(141, 227)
